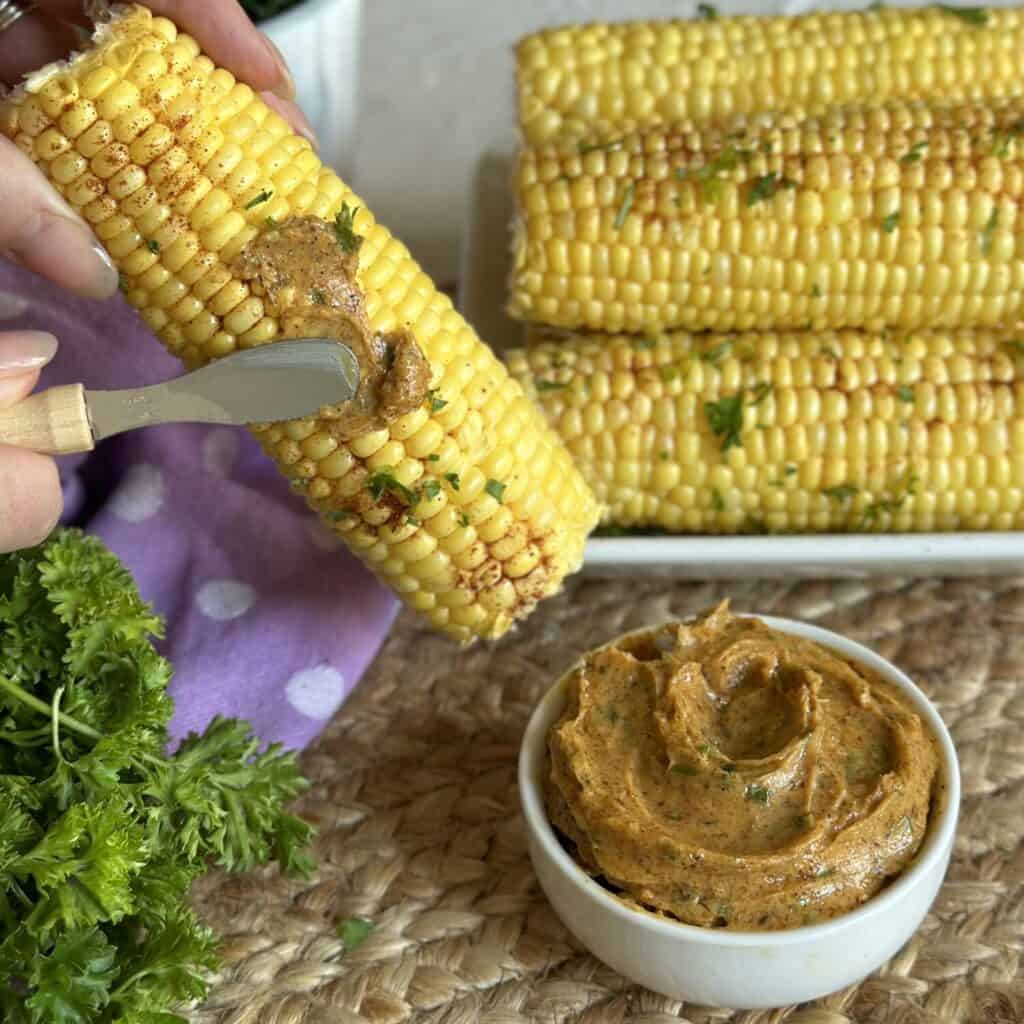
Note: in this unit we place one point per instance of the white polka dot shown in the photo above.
(225, 599)
(316, 692)
(140, 494)
(220, 450)
(12, 305)
(323, 537)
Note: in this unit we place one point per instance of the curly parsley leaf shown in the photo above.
(101, 829)
(71, 983)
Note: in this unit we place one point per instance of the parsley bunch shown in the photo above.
(101, 831)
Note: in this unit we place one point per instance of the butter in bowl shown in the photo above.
(739, 811)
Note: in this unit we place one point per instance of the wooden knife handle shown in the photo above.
(54, 422)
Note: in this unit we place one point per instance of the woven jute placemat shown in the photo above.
(414, 793)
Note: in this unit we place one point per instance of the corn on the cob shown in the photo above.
(179, 167)
(904, 215)
(791, 432)
(578, 80)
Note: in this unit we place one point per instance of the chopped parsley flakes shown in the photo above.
(354, 931)
(725, 418)
(153, 246)
(759, 794)
(709, 175)
(976, 16)
(889, 222)
(715, 354)
(594, 147)
(260, 197)
(766, 186)
(436, 404)
(624, 207)
(495, 489)
(383, 482)
(841, 492)
(344, 228)
(987, 231)
(914, 154)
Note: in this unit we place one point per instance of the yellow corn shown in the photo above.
(576, 80)
(168, 157)
(791, 433)
(904, 215)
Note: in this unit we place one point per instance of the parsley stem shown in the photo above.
(43, 708)
(55, 721)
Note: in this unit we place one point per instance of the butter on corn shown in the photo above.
(791, 433)
(902, 215)
(178, 167)
(576, 80)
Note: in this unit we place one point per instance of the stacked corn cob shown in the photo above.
(469, 506)
(843, 192)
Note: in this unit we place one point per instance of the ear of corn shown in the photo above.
(581, 79)
(811, 433)
(904, 215)
(178, 167)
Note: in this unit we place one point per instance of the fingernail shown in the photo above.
(104, 257)
(304, 128)
(21, 351)
(85, 261)
(286, 90)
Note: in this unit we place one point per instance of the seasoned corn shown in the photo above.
(791, 433)
(177, 166)
(905, 215)
(579, 79)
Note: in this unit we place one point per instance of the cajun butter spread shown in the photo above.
(729, 775)
(306, 273)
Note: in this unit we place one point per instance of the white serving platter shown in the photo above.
(482, 282)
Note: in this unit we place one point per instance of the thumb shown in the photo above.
(22, 355)
(30, 496)
(42, 233)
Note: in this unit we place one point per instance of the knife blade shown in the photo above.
(282, 381)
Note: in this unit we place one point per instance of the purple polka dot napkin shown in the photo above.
(268, 617)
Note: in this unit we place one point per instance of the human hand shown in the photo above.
(221, 28)
(30, 494)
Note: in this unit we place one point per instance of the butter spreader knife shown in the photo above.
(282, 381)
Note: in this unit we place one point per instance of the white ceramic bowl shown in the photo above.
(746, 970)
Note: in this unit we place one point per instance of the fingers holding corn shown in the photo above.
(468, 504)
